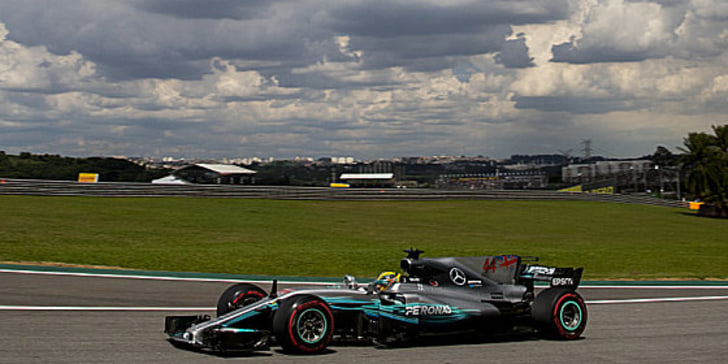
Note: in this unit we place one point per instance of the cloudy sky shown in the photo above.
(362, 78)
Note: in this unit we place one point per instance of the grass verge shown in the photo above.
(331, 238)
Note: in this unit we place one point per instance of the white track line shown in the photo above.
(653, 287)
(101, 308)
(654, 300)
(159, 278)
(305, 283)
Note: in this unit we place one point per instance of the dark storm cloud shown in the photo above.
(404, 51)
(386, 19)
(127, 43)
(574, 104)
(514, 54)
(569, 52)
(208, 9)
(369, 78)
(400, 34)
(320, 81)
(175, 39)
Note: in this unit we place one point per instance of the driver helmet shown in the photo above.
(385, 280)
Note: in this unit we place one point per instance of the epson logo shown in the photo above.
(562, 281)
(428, 310)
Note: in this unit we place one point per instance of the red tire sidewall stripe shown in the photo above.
(249, 293)
(295, 313)
(557, 318)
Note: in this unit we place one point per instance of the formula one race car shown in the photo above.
(434, 296)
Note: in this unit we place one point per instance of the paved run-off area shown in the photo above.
(129, 323)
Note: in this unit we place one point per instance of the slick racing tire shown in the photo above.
(238, 296)
(303, 325)
(560, 312)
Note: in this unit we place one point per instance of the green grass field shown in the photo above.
(331, 238)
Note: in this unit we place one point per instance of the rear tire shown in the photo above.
(238, 296)
(303, 325)
(561, 313)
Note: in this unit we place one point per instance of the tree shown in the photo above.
(705, 160)
(55, 167)
(720, 168)
(663, 157)
(721, 137)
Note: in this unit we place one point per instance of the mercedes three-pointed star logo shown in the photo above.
(457, 276)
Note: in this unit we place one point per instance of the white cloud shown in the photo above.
(36, 69)
(238, 84)
(617, 30)
(312, 77)
(625, 31)
(715, 9)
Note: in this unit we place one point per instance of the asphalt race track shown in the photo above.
(120, 320)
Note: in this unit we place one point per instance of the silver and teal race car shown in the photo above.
(433, 297)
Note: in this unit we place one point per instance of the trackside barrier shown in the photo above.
(114, 189)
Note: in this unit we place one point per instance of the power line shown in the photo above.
(587, 148)
(604, 151)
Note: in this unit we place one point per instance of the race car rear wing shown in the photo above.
(500, 269)
(557, 277)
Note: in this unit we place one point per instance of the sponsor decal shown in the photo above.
(434, 283)
(475, 283)
(428, 310)
(503, 261)
(88, 177)
(457, 276)
(508, 261)
(537, 269)
(562, 281)
(490, 265)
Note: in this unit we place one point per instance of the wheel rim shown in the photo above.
(311, 326)
(570, 315)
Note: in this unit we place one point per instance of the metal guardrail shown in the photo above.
(115, 189)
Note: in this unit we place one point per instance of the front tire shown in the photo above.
(561, 312)
(238, 296)
(303, 325)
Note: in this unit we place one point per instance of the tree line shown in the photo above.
(705, 164)
(54, 167)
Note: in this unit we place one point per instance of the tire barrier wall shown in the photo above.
(114, 189)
